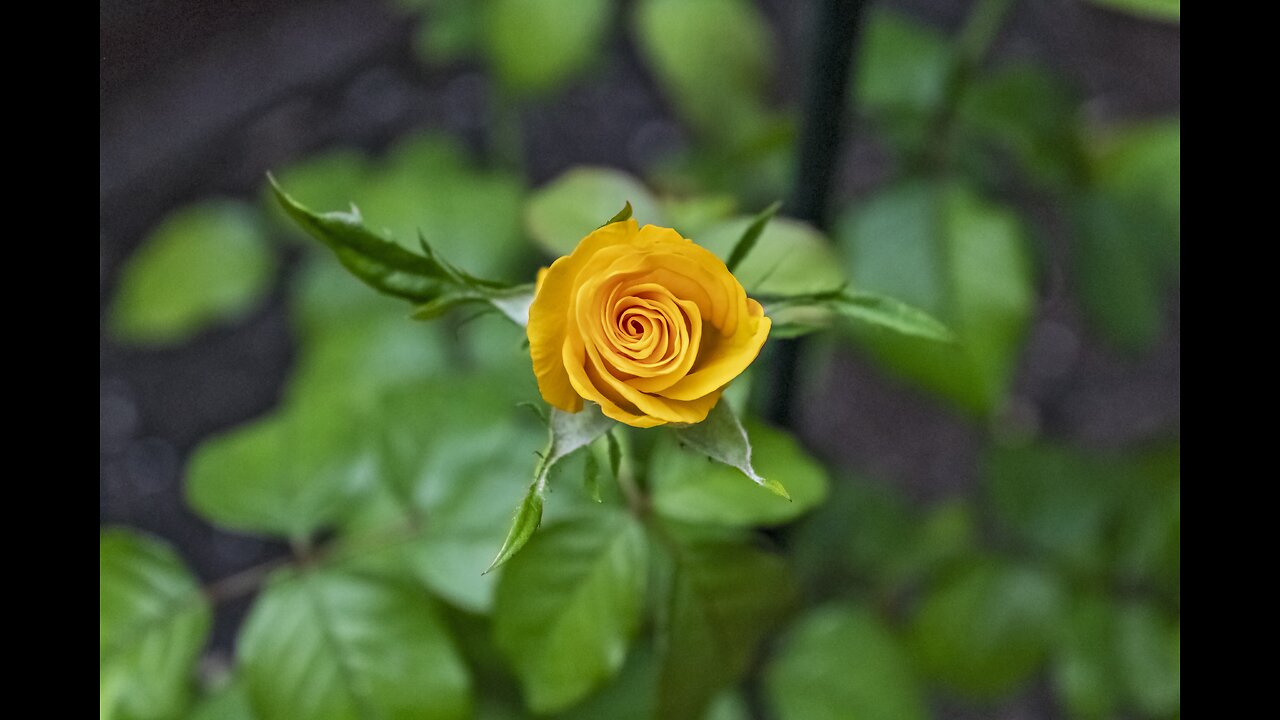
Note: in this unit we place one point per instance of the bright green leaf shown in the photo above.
(686, 485)
(567, 607)
(204, 265)
(941, 248)
(537, 45)
(986, 630)
(562, 212)
(900, 76)
(289, 474)
(721, 437)
(335, 645)
(842, 662)
(153, 621)
(712, 59)
(789, 257)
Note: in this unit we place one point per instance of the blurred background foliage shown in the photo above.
(985, 529)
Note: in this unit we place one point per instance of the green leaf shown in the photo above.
(591, 478)
(866, 537)
(1060, 502)
(562, 212)
(335, 645)
(623, 214)
(153, 621)
(289, 474)
(717, 86)
(567, 432)
(525, 523)
(567, 608)
(721, 437)
(231, 702)
(1127, 234)
(751, 235)
(987, 629)
(1086, 672)
(391, 269)
(900, 76)
(798, 316)
(1166, 10)
(437, 471)
(1028, 113)
(724, 598)
(380, 263)
(686, 486)
(1119, 288)
(537, 45)
(451, 31)
(1148, 535)
(788, 258)
(691, 216)
(1150, 650)
(842, 662)
(325, 180)
(205, 265)
(941, 248)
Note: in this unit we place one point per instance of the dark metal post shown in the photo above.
(835, 27)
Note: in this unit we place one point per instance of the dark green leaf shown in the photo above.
(567, 608)
(1127, 232)
(204, 265)
(562, 212)
(537, 46)
(788, 258)
(941, 248)
(1166, 10)
(450, 32)
(1029, 114)
(1120, 283)
(721, 437)
(684, 485)
(747, 242)
(623, 214)
(842, 662)
(153, 621)
(382, 264)
(724, 598)
(986, 630)
(1061, 502)
(335, 645)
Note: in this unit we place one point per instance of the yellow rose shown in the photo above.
(644, 322)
